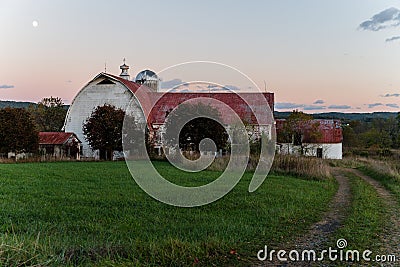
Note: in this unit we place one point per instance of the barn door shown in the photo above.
(319, 152)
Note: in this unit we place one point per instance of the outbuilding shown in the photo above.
(59, 145)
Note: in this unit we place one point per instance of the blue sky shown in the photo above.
(333, 51)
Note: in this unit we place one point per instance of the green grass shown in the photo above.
(93, 213)
(365, 220)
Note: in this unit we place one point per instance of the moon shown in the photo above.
(35, 23)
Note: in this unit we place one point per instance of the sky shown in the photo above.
(316, 56)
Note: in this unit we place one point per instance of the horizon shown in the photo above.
(339, 56)
(287, 111)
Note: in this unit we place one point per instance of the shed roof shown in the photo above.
(55, 138)
(331, 130)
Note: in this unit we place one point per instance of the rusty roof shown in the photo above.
(331, 130)
(170, 101)
(55, 138)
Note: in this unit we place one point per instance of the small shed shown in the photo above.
(327, 145)
(59, 145)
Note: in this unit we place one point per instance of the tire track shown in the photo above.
(390, 239)
(320, 232)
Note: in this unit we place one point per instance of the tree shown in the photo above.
(49, 114)
(17, 131)
(103, 130)
(394, 131)
(136, 138)
(375, 138)
(196, 129)
(350, 138)
(299, 128)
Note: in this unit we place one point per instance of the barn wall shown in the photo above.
(332, 151)
(90, 97)
(329, 151)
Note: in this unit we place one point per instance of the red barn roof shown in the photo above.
(170, 101)
(55, 138)
(331, 130)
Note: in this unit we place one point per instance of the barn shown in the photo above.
(120, 90)
(103, 89)
(327, 143)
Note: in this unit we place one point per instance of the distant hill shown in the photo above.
(15, 104)
(344, 116)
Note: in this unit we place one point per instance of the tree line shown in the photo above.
(375, 136)
(19, 127)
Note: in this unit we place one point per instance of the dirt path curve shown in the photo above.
(391, 236)
(319, 233)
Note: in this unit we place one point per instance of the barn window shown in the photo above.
(106, 81)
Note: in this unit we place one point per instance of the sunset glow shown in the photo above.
(316, 56)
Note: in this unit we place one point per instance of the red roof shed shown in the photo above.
(55, 138)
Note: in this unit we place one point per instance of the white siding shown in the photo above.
(92, 96)
(329, 151)
(332, 151)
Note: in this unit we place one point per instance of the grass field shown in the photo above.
(93, 213)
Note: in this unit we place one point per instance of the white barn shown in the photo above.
(103, 89)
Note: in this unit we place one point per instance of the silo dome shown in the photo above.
(148, 78)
